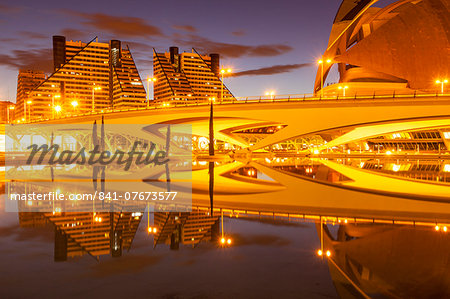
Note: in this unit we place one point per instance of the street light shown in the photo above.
(321, 63)
(74, 104)
(152, 79)
(57, 108)
(442, 82)
(343, 89)
(9, 108)
(56, 96)
(29, 102)
(94, 88)
(270, 93)
(222, 72)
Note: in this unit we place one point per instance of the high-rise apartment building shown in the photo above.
(187, 76)
(27, 80)
(88, 77)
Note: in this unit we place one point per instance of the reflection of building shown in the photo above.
(87, 233)
(403, 45)
(187, 76)
(27, 80)
(88, 76)
(381, 261)
(187, 228)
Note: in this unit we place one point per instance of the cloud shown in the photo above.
(8, 9)
(239, 32)
(119, 26)
(39, 59)
(271, 70)
(35, 35)
(187, 28)
(206, 45)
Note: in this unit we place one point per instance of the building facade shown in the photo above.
(88, 77)
(7, 110)
(27, 80)
(187, 76)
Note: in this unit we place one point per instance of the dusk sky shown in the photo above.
(274, 43)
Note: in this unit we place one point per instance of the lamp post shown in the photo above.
(152, 79)
(343, 89)
(222, 72)
(74, 105)
(442, 82)
(94, 88)
(56, 96)
(321, 63)
(8, 116)
(57, 108)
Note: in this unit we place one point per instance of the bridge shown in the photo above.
(298, 115)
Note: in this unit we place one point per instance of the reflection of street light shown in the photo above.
(343, 89)
(93, 95)
(442, 82)
(222, 72)
(270, 93)
(321, 62)
(153, 79)
(224, 240)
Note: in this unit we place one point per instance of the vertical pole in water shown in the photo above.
(221, 216)
(211, 131)
(321, 236)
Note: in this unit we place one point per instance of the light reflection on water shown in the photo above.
(183, 255)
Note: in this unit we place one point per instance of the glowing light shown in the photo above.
(29, 102)
(74, 103)
(447, 168)
(229, 241)
(155, 230)
(319, 61)
(222, 240)
(328, 60)
(388, 153)
(319, 252)
(328, 253)
(57, 108)
(316, 152)
(444, 229)
(149, 229)
(437, 227)
(395, 167)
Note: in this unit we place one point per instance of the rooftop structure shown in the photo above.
(88, 77)
(404, 46)
(188, 76)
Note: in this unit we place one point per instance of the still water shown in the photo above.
(379, 237)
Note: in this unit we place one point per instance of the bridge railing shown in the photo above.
(308, 97)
